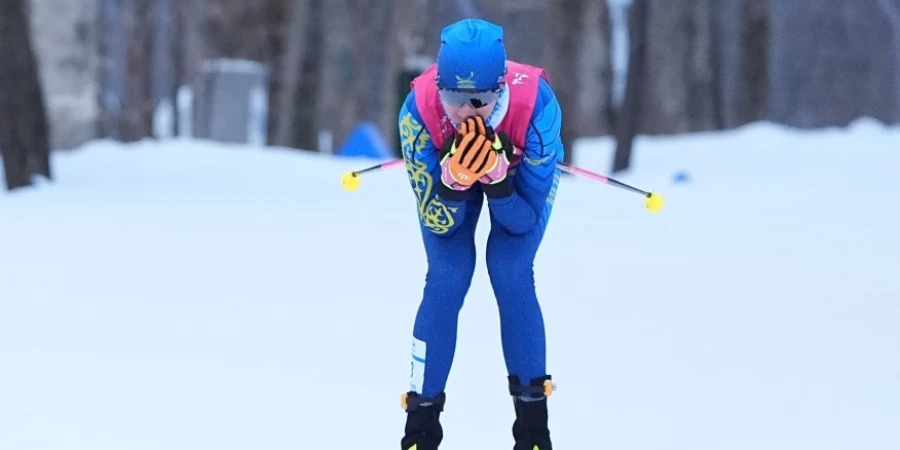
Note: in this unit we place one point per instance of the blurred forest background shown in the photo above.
(77, 70)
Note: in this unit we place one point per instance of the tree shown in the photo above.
(679, 95)
(24, 131)
(753, 89)
(628, 118)
(577, 58)
(592, 114)
(832, 62)
(409, 38)
(138, 105)
(353, 68)
(891, 10)
(291, 62)
(741, 41)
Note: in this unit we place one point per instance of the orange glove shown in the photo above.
(473, 124)
(471, 156)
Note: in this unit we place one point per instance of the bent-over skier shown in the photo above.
(477, 128)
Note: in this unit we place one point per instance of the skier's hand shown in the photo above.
(473, 124)
(470, 155)
(503, 147)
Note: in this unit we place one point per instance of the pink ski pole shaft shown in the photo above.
(601, 178)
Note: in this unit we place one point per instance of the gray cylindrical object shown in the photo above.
(231, 101)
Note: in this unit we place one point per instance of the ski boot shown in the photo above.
(530, 429)
(423, 429)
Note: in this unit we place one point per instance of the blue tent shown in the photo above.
(365, 141)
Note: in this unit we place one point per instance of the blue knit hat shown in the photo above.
(472, 56)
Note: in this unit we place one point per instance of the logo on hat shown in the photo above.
(466, 83)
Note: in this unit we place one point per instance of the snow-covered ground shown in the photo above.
(192, 296)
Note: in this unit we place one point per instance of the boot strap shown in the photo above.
(541, 386)
(411, 401)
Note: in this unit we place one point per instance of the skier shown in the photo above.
(462, 127)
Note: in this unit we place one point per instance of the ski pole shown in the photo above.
(601, 178)
(350, 180)
(653, 201)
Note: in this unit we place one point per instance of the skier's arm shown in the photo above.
(441, 210)
(526, 206)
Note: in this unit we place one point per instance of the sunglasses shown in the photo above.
(477, 99)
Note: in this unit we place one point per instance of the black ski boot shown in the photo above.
(531, 429)
(423, 426)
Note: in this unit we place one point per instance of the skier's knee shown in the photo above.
(508, 274)
(451, 271)
(448, 280)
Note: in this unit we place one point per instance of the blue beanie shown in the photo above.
(472, 56)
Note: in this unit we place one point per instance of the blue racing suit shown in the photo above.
(448, 226)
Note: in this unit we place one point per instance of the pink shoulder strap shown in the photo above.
(522, 82)
(429, 105)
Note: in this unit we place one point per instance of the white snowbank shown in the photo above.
(188, 295)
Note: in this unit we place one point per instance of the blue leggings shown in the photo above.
(451, 265)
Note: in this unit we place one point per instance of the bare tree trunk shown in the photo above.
(754, 68)
(369, 55)
(665, 94)
(337, 107)
(354, 69)
(309, 93)
(524, 26)
(138, 111)
(740, 51)
(727, 31)
(831, 63)
(594, 69)
(191, 36)
(629, 118)
(891, 10)
(113, 50)
(192, 24)
(716, 95)
(410, 41)
(564, 28)
(292, 58)
(701, 98)
(680, 91)
(163, 66)
(24, 131)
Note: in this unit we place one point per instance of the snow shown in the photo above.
(186, 295)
